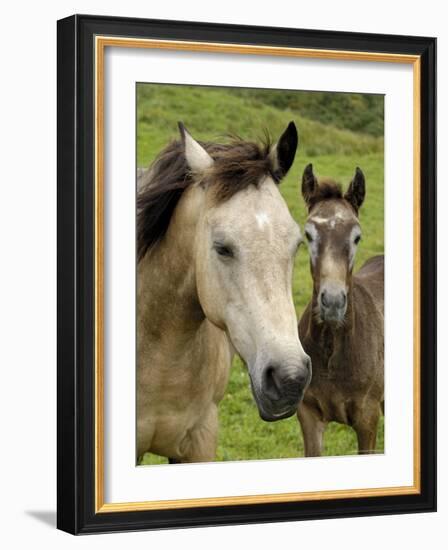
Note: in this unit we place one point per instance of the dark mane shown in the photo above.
(238, 164)
(325, 190)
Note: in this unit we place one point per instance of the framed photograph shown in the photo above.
(246, 274)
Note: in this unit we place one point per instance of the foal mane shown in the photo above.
(326, 189)
(238, 164)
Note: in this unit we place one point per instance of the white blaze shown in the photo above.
(319, 219)
(262, 219)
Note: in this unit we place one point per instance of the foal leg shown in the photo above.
(313, 428)
(366, 427)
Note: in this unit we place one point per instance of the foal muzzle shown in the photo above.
(333, 304)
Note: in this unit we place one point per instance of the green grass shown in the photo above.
(350, 111)
(211, 113)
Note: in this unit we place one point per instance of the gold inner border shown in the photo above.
(101, 42)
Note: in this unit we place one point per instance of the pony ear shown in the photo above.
(309, 184)
(357, 190)
(283, 153)
(198, 159)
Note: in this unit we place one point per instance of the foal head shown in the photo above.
(245, 243)
(333, 233)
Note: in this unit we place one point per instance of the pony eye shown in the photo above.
(309, 238)
(357, 239)
(223, 250)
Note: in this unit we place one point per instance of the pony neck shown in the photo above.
(167, 292)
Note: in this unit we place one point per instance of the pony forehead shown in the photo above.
(258, 207)
(264, 197)
(332, 213)
(256, 210)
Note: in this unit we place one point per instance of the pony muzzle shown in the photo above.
(282, 388)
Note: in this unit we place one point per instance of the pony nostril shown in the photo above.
(344, 299)
(323, 299)
(285, 384)
(271, 382)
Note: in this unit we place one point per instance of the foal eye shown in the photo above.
(357, 239)
(309, 238)
(223, 250)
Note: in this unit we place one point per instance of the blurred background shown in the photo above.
(337, 132)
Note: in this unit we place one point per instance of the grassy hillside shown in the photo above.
(212, 113)
(362, 113)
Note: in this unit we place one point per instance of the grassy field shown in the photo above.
(334, 150)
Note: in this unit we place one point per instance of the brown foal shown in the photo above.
(342, 328)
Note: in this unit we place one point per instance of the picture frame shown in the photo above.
(82, 42)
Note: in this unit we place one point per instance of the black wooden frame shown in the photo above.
(75, 475)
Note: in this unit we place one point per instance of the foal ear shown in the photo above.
(283, 153)
(309, 184)
(357, 190)
(197, 157)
